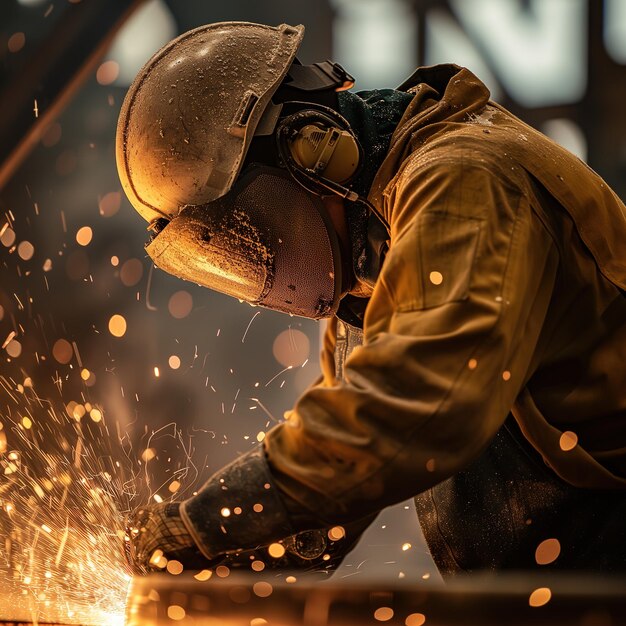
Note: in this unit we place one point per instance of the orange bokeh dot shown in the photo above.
(180, 304)
(174, 567)
(336, 533)
(568, 441)
(107, 72)
(16, 42)
(383, 614)
(131, 272)
(547, 551)
(8, 237)
(436, 278)
(110, 203)
(84, 236)
(291, 348)
(62, 351)
(540, 596)
(276, 550)
(26, 250)
(262, 589)
(14, 348)
(117, 325)
(176, 613)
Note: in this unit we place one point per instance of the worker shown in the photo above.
(473, 275)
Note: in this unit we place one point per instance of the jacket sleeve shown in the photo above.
(450, 337)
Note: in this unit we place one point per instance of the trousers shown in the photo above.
(497, 512)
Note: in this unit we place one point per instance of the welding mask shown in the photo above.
(267, 241)
(257, 232)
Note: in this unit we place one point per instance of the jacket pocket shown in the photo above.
(435, 261)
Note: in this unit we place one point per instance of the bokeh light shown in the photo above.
(84, 236)
(110, 203)
(180, 304)
(8, 237)
(539, 597)
(291, 348)
(568, 441)
(547, 551)
(16, 42)
(107, 72)
(25, 250)
(14, 348)
(62, 351)
(117, 325)
(131, 272)
(383, 614)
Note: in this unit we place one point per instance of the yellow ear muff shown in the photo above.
(330, 152)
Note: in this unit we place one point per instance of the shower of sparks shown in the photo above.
(78, 450)
(62, 504)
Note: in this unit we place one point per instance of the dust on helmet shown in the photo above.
(189, 117)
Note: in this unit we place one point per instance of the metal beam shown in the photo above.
(33, 97)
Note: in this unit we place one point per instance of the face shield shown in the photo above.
(267, 241)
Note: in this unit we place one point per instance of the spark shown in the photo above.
(271, 380)
(265, 409)
(149, 306)
(250, 324)
(9, 338)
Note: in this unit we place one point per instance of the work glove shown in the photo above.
(156, 534)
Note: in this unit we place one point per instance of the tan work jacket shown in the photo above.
(500, 294)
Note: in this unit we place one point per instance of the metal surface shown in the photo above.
(19, 606)
(33, 96)
(485, 601)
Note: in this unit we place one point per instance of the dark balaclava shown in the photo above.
(373, 116)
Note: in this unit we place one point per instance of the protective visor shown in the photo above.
(267, 241)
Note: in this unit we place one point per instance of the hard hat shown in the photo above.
(190, 115)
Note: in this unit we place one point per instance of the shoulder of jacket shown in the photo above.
(461, 150)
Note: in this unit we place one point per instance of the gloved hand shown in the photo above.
(157, 532)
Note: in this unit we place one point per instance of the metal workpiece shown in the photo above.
(240, 600)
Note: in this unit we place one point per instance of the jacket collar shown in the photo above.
(441, 93)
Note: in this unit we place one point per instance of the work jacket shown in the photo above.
(501, 294)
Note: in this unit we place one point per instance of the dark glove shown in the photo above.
(156, 534)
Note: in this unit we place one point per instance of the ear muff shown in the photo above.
(321, 143)
(329, 152)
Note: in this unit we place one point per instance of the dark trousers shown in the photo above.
(494, 514)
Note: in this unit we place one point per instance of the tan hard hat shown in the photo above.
(189, 117)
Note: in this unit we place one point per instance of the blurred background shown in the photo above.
(186, 379)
